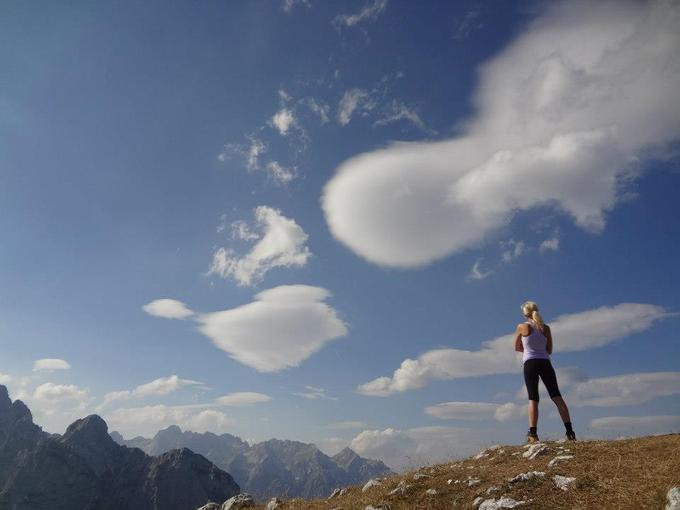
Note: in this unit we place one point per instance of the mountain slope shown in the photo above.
(84, 469)
(271, 468)
(622, 474)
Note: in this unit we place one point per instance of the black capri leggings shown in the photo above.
(533, 368)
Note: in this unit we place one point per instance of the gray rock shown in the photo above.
(242, 500)
(497, 504)
(273, 504)
(559, 458)
(431, 492)
(535, 450)
(419, 476)
(673, 497)
(210, 506)
(523, 477)
(374, 482)
(562, 482)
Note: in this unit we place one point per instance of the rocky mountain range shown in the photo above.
(273, 468)
(84, 469)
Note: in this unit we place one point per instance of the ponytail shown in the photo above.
(530, 311)
(538, 320)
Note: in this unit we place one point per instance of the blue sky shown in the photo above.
(207, 155)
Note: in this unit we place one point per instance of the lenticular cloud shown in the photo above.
(564, 115)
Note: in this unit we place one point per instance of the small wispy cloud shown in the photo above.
(250, 152)
(552, 244)
(287, 5)
(397, 111)
(354, 100)
(467, 24)
(477, 273)
(370, 11)
(281, 242)
(512, 250)
(314, 393)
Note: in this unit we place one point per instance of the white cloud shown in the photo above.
(512, 250)
(281, 243)
(51, 392)
(467, 24)
(462, 410)
(280, 173)
(371, 10)
(639, 425)
(626, 389)
(551, 244)
(476, 411)
(147, 420)
(572, 332)
(563, 115)
(319, 108)
(283, 326)
(50, 364)
(287, 5)
(242, 398)
(314, 393)
(421, 446)
(167, 309)
(510, 411)
(354, 100)
(5, 378)
(160, 386)
(283, 121)
(397, 111)
(241, 230)
(251, 152)
(477, 273)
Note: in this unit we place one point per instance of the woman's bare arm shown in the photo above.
(518, 340)
(548, 335)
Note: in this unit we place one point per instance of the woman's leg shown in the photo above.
(533, 413)
(562, 408)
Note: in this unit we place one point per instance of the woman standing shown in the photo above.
(534, 340)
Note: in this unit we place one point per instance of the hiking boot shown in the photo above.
(532, 438)
(571, 435)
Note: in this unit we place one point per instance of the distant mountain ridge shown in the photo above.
(85, 469)
(274, 468)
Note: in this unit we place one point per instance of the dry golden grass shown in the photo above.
(621, 474)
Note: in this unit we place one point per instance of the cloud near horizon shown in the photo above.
(572, 332)
(563, 115)
(160, 386)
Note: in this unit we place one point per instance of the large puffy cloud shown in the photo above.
(283, 326)
(421, 446)
(281, 242)
(50, 364)
(563, 115)
(572, 332)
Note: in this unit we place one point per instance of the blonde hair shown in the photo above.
(530, 311)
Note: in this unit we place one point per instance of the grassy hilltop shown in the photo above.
(619, 474)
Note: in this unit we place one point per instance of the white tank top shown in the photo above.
(535, 345)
